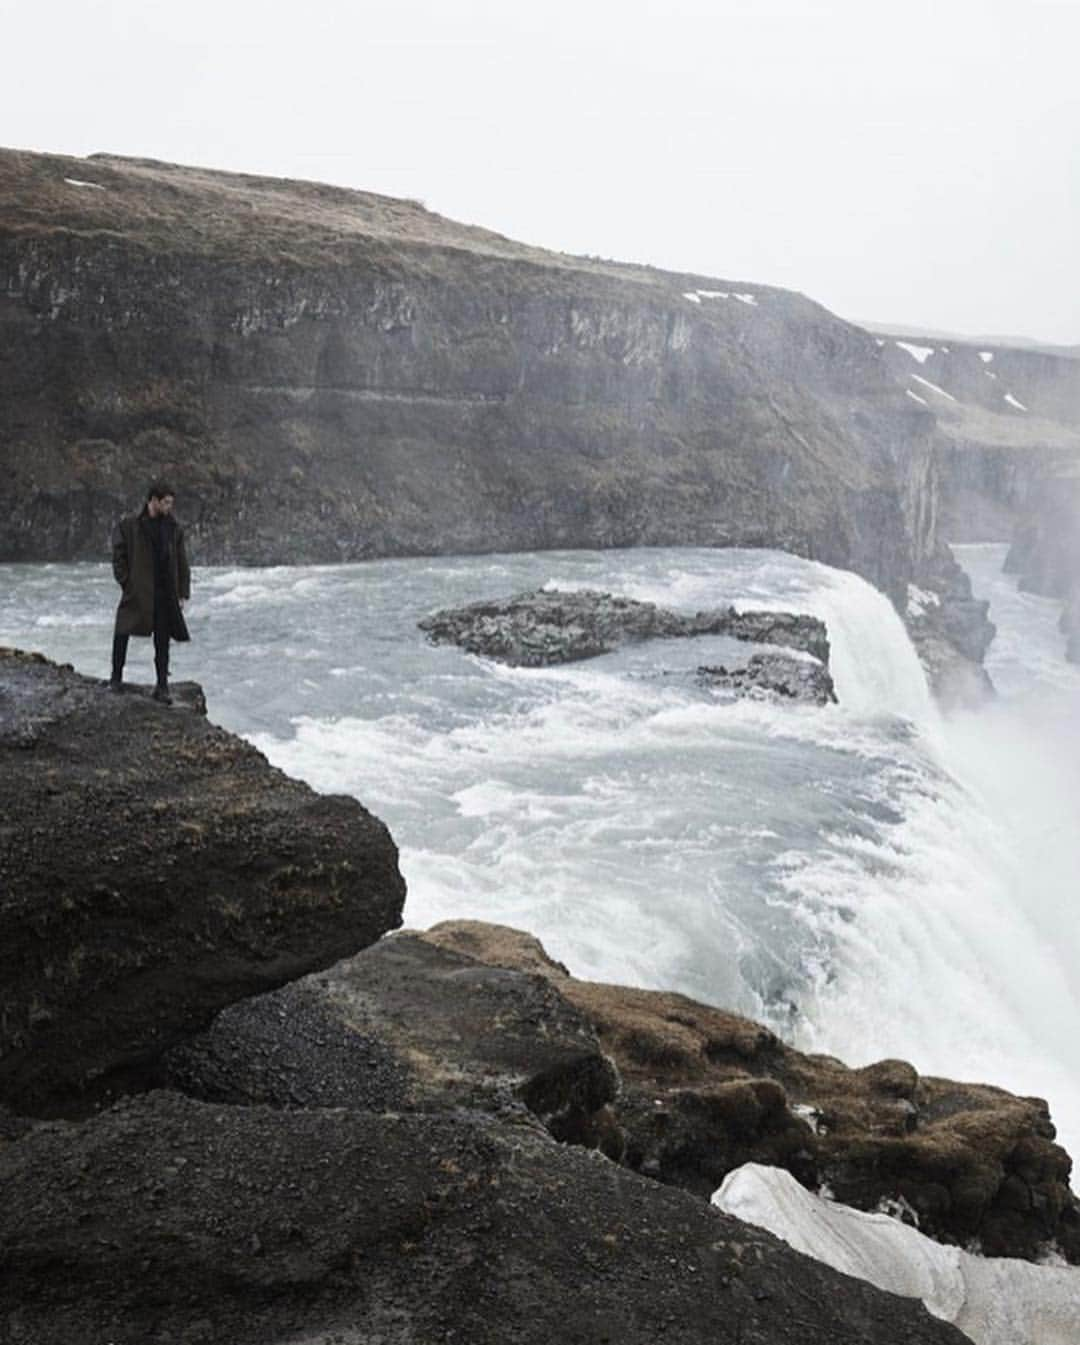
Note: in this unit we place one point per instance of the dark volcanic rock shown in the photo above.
(546, 626)
(775, 674)
(155, 868)
(407, 1025)
(166, 1220)
(704, 1091)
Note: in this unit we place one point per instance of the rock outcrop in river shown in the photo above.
(547, 627)
(331, 375)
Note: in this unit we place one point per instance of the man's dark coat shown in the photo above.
(133, 566)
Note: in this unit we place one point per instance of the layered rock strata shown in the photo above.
(331, 375)
(155, 869)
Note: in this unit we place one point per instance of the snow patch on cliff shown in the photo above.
(919, 353)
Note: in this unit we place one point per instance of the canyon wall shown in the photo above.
(330, 375)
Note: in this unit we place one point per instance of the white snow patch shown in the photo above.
(986, 356)
(1013, 402)
(920, 353)
(994, 1300)
(990, 373)
(78, 182)
(811, 1116)
(919, 599)
(879, 341)
(916, 398)
(933, 386)
(697, 295)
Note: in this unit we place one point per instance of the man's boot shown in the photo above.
(161, 693)
(119, 657)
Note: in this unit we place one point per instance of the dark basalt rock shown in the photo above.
(546, 626)
(774, 675)
(703, 1091)
(166, 1220)
(407, 1026)
(154, 869)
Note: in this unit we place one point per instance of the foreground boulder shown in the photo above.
(407, 1025)
(168, 1220)
(155, 869)
(704, 1091)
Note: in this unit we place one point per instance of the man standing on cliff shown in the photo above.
(150, 565)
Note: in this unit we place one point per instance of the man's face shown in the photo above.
(157, 506)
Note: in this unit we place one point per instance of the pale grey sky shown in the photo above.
(916, 161)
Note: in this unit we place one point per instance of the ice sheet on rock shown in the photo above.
(993, 1300)
(920, 353)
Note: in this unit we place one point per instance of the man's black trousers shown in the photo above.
(161, 645)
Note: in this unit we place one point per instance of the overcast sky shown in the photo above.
(914, 162)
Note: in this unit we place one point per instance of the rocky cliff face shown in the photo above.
(333, 375)
(1006, 419)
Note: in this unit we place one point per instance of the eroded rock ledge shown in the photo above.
(703, 1091)
(154, 869)
(544, 627)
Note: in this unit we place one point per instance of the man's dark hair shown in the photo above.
(157, 490)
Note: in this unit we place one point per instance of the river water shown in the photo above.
(869, 878)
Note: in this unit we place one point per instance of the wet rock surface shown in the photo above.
(546, 626)
(166, 1220)
(703, 1091)
(154, 869)
(773, 675)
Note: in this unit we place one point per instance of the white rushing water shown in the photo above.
(868, 878)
